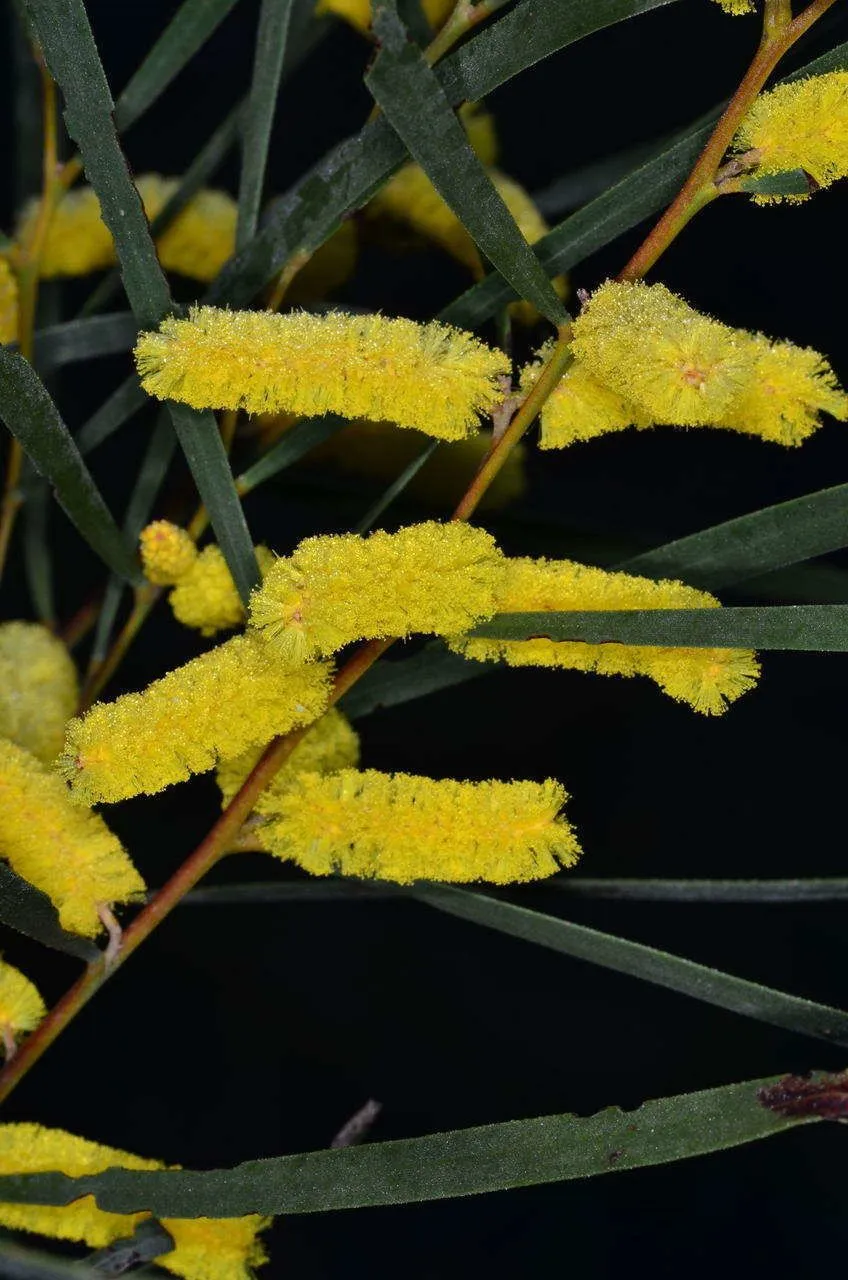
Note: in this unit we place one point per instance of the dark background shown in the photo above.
(244, 1032)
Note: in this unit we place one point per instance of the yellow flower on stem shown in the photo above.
(215, 706)
(167, 552)
(38, 688)
(331, 744)
(8, 303)
(21, 1006)
(788, 388)
(737, 7)
(204, 1248)
(429, 578)
(429, 376)
(800, 125)
(708, 679)
(580, 408)
(61, 847)
(404, 828)
(206, 597)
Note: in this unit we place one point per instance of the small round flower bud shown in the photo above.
(167, 553)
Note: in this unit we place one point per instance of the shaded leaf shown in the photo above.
(31, 912)
(388, 684)
(124, 402)
(38, 553)
(795, 626)
(794, 182)
(295, 444)
(32, 417)
(324, 889)
(493, 1157)
(827, 889)
(83, 339)
(648, 964)
(22, 1262)
(271, 39)
(414, 103)
(410, 471)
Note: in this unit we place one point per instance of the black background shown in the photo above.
(244, 1032)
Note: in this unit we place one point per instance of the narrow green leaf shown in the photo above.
(294, 445)
(770, 538)
(78, 340)
(271, 39)
(794, 626)
(24, 132)
(648, 964)
(190, 28)
(319, 890)
(410, 471)
(38, 554)
(22, 1262)
(492, 1157)
(32, 913)
(780, 892)
(414, 103)
(124, 402)
(32, 417)
(794, 182)
(388, 684)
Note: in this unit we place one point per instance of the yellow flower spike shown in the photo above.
(21, 1005)
(60, 847)
(481, 131)
(708, 679)
(167, 552)
(580, 408)
(403, 828)
(77, 241)
(201, 237)
(8, 303)
(737, 7)
(204, 1248)
(331, 744)
(38, 688)
(206, 596)
(358, 12)
(429, 578)
(650, 347)
(801, 125)
(381, 451)
(429, 376)
(788, 388)
(213, 707)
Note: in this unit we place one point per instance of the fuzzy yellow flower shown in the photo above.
(38, 688)
(380, 451)
(787, 389)
(331, 744)
(204, 1248)
(403, 828)
(429, 578)
(801, 125)
(580, 408)
(206, 597)
(21, 1006)
(358, 12)
(428, 376)
(60, 847)
(708, 679)
(196, 244)
(214, 707)
(8, 303)
(738, 7)
(167, 552)
(652, 348)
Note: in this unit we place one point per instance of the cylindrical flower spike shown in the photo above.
(204, 1248)
(800, 125)
(331, 744)
(650, 347)
(8, 303)
(737, 7)
(428, 376)
(167, 552)
(580, 408)
(335, 589)
(21, 1006)
(60, 847)
(38, 688)
(788, 388)
(210, 709)
(403, 828)
(206, 597)
(708, 679)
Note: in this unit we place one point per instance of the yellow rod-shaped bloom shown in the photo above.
(197, 243)
(213, 707)
(787, 390)
(8, 303)
(167, 552)
(21, 1006)
(331, 744)
(204, 1248)
(402, 828)
(580, 408)
(60, 847)
(428, 376)
(206, 597)
(650, 347)
(38, 688)
(801, 125)
(737, 7)
(380, 451)
(708, 679)
(429, 578)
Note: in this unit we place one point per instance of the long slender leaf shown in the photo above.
(123, 403)
(493, 1157)
(271, 39)
(793, 1013)
(30, 912)
(317, 890)
(782, 892)
(22, 1262)
(815, 627)
(192, 25)
(76, 340)
(387, 497)
(295, 444)
(414, 103)
(32, 417)
(388, 684)
(38, 554)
